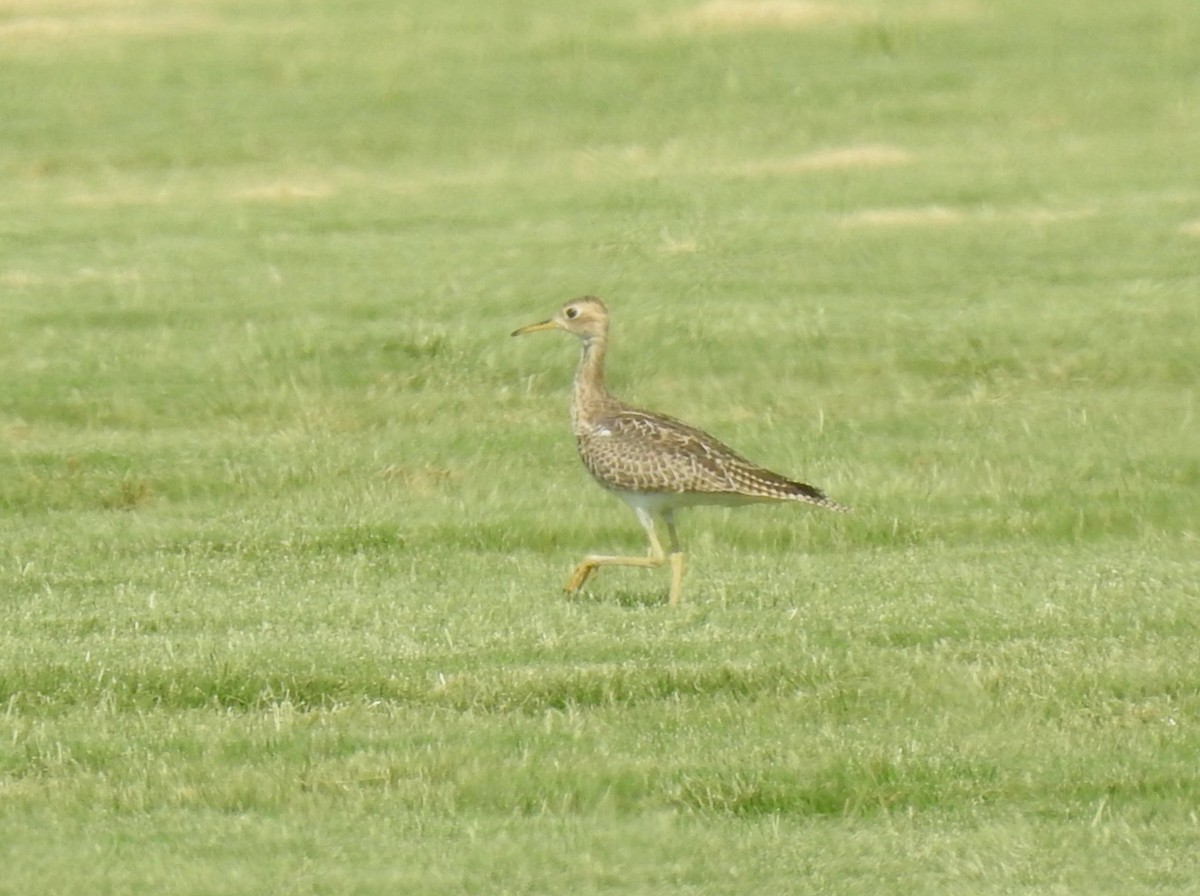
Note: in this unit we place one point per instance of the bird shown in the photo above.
(656, 464)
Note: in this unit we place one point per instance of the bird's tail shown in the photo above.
(800, 491)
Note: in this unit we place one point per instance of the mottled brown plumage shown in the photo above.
(655, 463)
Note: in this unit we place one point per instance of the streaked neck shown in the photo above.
(589, 397)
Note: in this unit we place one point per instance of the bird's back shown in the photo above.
(631, 450)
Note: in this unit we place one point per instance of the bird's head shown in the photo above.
(585, 317)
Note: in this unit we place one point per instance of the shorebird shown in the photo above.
(654, 463)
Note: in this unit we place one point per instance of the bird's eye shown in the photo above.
(572, 313)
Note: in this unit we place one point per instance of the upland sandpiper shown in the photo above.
(654, 463)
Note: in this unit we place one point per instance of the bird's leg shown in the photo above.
(676, 555)
(654, 559)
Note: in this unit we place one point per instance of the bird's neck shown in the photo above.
(590, 400)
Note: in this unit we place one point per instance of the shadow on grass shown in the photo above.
(618, 597)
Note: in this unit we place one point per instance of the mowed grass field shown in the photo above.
(286, 513)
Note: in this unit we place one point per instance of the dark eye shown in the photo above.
(572, 313)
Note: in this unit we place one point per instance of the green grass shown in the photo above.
(286, 513)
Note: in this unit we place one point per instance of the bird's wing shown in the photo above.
(639, 450)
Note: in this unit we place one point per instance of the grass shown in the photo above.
(286, 513)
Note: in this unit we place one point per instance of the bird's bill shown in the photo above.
(533, 328)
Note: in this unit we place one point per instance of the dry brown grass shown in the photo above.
(739, 15)
(943, 216)
(32, 24)
(18, 279)
(719, 15)
(916, 216)
(149, 23)
(836, 159)
(284, 191)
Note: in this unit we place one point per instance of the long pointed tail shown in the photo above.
(800, 491)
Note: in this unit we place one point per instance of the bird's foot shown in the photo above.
(578, 577)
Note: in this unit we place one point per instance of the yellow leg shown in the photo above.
(676, 560)
(656, 558)
(676, 578)
(592, 562)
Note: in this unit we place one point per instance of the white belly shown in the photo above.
(665, 503)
